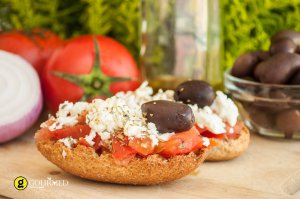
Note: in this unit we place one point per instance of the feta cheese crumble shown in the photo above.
(205, 117)
(68, 141)
(214, 117)
(68, 114)
(225, 108)
(89, 138)
(206, 141)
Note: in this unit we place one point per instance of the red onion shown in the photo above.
(20, 96)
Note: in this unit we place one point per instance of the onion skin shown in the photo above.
(19, 123)
(17, 128)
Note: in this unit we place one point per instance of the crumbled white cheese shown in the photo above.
(78, 108)
(46, 124)
(144, 90)
(68, 114)
(63, 121)
(231, 130)
(68, 141)
(205, 117)
(134, 130)
(64, 154)
(104, 135)
(164, 95)
(225, 108)
(206, 141)
(108, 115)
(214, 117)
(89, 138)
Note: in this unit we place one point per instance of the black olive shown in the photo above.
(195, 92)
(295, 78)
(168, 116)
(261, 117)
(245, 64)
(283, 45)
(288, 121)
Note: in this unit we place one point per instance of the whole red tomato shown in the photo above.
(86, 67)
(36, 45)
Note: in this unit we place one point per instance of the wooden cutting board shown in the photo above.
(269, 169)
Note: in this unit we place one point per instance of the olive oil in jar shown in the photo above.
(170, 82)
(165, 82)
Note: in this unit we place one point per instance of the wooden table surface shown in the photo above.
(269, 169)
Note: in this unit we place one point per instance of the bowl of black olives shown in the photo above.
(266, 87)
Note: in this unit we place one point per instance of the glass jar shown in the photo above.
(271, 110)
(180, 41)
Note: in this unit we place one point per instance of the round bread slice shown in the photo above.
(85, 162)
(228, 149)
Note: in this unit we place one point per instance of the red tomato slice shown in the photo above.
(206, 133)
(83, 142)
(209, 134)
(121, 151)
(234, 135)
(181, 143)
(76, 132)
(143, 146)
(200, 130)
(97, 140)
(236, 130)
(238, 127)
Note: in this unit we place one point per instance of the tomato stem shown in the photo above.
(97, 65)
(76, 79)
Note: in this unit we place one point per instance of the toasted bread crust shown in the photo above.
(85, 162)
(229, 149)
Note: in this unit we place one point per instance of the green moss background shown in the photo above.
(247, 24)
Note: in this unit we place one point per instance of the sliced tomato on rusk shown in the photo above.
(200, 130)
(121, 151)
(206, 133)
(181, 143)
(83, 142)
(209, 134)
(76, 132)
(97, 142)
(231, 132)
(234, 132)
(143, 146)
